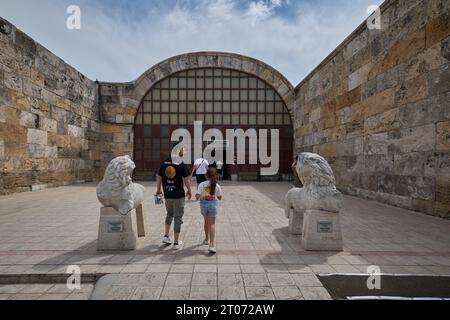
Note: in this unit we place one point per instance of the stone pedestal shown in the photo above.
(295, 223)
(322, 231)
(121, 232)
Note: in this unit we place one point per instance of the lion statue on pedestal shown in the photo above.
(319, 189)
(117, 189)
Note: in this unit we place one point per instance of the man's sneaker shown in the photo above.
(205, 242)
(178, 246)
(212, 249)
(167, 240)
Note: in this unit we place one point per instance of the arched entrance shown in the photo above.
(221, 97)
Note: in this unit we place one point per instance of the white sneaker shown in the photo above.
(212, 249)
(205, 242)
(167, 240)
(178, 246)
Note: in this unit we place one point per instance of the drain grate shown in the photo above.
(354, 286)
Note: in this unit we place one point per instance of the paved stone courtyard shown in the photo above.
(43, 232)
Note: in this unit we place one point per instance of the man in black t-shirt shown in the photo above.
(173, 175)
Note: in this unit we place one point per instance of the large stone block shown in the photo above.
(322, 231)
(48, 125)
(445, 49)
(378, 103)
(443, 136)
(424, 62)
(350, 147)
(37, 151)
(13, 81)
(415, 163)
(415, 139)
(376, 144)
(443, 164)
(2, 113)
(442, 210)
(427, 111)
(439, 80)
(29, 120)
(437, 29)
(120, 232)
(383, 122)
(349, 98)
(328, 150)
(36, 136)
(415, 187)
(75, 131)
(412, 90)
(360, 76)
(379, 163)
(405, 48)
(443, 190)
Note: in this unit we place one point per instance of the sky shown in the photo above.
(121, 39)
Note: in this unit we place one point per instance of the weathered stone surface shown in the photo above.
(378, 103)
(383, 122)
(48, 125)
(443, 190)
(439, 80)
(438, 29)
(35, 136)
(359, 76)
(316, 239)
(42, 151)
(2, 114)
(412, 90)
(445, 49)
(407, 47)
(29, 120)
(415, 139)
(415, 163)
(427, 111)
(425, 62)
(395, 99)
(124, 237)
(443, 136)
(415, 187)
(40, 96)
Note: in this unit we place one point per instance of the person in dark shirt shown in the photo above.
(172, 176)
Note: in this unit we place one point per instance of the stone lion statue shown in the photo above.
(117, 190)
(319, 187)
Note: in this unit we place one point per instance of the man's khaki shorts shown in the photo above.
(175, 211)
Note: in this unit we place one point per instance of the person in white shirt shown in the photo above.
(209, 192)
(220, 169)
(200, 167)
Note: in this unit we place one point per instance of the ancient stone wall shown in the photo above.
(48, 131)
(378, 108)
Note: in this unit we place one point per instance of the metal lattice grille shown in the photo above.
(221, 99)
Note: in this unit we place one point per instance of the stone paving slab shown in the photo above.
(44, 291)
(41, 233)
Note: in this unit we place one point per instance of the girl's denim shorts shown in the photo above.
(209, 208)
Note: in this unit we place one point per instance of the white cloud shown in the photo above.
(260, 10)
(114, 46)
